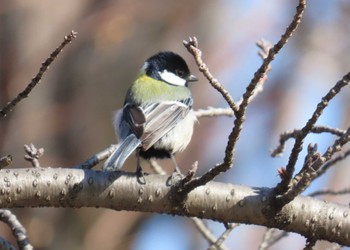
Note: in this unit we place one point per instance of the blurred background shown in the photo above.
(70, 112)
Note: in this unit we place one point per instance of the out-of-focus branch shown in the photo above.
(330, 192)
(264, 47)
(207, 234)
(18, 230)
(271, 236)
(44, 67)
(200, 225)
(6, 245)
(218, 244)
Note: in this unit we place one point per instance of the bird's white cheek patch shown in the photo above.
(172, 78)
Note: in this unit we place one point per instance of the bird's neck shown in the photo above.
(147, 89)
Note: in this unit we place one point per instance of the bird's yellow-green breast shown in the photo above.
(147, 89)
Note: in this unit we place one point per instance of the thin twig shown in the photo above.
(330, 192)
(192, 47)
(44, 67)
(18, 230)
(295, 133)
(264, 47)
(299, 140)
(271, 236)
(213, 112)
(206, 233)
(223, 237)
(187, 178)
(200, 225)
(240, 113)
(332, 162)
(337, 145)
(156, 167)
(304, 178)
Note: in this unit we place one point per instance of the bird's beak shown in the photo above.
(192, 78)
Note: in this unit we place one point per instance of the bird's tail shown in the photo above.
(118, 157)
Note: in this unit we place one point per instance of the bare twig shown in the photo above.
(156, 167)
(336, 147)
(241, 111)
(330, 192)
(332, 162)
(207, 234)
(223, 237)
(265, 47)
(304, 178)
(187, 178)
(18, 230)
(213, 112)
(271, 236)
(309, 171)
(204, 230)
(299, 140)
(200, 225)
(260, 73)
(293, 134)
(192, 47)
(44, 67)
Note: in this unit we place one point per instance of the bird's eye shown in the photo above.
(180, 73)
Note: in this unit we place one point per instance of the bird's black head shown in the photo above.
(168, 67)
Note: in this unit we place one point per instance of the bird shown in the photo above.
(157, 118)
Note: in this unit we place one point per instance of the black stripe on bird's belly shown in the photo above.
(155, 153)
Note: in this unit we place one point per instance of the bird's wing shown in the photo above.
(119, 155)
(152, 121)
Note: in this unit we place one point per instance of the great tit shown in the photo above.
(157, 118)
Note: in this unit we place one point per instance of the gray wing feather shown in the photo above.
(160, 119)
(148, 124)
(118, 157)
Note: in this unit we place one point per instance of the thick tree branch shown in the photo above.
(37, 187)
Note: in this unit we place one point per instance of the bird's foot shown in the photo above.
(140, 175)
